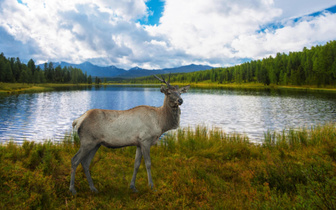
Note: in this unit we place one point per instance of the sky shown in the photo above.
(155, 34)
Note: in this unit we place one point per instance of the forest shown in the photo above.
(13, 70)
(315, 66)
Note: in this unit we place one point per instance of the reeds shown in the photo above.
(191, 168)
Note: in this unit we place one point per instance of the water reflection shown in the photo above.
(49, 115)
(255, 112)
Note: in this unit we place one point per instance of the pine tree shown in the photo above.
(2, 69)
(31, 66)
(89, 80)
(23, 76)
(8, 73)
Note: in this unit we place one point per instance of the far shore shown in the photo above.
(19, 88)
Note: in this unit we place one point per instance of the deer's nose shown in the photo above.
(180, 101)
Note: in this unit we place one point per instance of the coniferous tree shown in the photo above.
(23, 76)
(31, 66)
(89, 80)
(8, 73)
(2, 68)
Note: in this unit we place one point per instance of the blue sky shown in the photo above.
(276, 25)
(155, 10)
(162, 33)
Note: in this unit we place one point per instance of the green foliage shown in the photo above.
(97, 80)
(89, 79)
(12, 70)
(192, 168)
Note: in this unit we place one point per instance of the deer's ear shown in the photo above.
(184, 89)
(164, 89)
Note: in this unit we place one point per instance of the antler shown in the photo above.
(163, 80)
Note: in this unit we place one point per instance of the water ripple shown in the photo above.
(49, 115)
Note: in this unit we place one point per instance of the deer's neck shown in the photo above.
(170, 116)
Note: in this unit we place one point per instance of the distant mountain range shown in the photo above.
(112, 71)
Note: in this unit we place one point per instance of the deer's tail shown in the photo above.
(77, 122)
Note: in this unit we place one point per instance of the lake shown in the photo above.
(49, 115)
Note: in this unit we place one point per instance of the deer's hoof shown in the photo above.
(152, 187)
(93, 189)
(132, 187)
(73, 191)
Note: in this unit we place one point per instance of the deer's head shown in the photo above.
(173, 93)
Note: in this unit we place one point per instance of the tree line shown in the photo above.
(315, 66)
(13, 70)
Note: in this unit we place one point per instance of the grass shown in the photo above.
(17, 88)
(254, 85)
(10, 88)
(191, 168)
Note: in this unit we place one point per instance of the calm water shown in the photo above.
(49, 115)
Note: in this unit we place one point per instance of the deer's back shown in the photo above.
(116, 128)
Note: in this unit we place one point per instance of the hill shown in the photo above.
(91, 69)
(138, 72)
(112, 71)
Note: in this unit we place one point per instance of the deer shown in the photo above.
(140, 126)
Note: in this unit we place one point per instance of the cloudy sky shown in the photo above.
(162, 33)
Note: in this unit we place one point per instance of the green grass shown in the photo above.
(256, 86)
(17, 88)
(10, 88)
(191, 168)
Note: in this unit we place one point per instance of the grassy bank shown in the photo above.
(17, 88)
(256, 86)
(252, 86)
(199, 168)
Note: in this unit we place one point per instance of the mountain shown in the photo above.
(98, 71)
(91, 69)
(138, 72)
(112, 71)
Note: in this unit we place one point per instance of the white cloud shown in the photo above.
(298, 8)
(73, 31)
(215, 32)
(292, 37)
(205, 29)
(227, 32)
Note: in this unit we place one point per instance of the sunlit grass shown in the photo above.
(257, 86)
(15, 88)
(191, 168)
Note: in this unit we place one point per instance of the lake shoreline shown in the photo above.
(253, 112)
(19, 88)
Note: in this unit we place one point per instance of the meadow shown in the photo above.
(192, 168)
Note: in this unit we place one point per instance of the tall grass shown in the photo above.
(192, 168)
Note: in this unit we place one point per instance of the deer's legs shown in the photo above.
(74, 164)
(86, 166)
(145, 152)
(79, 156)
(137, 163)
